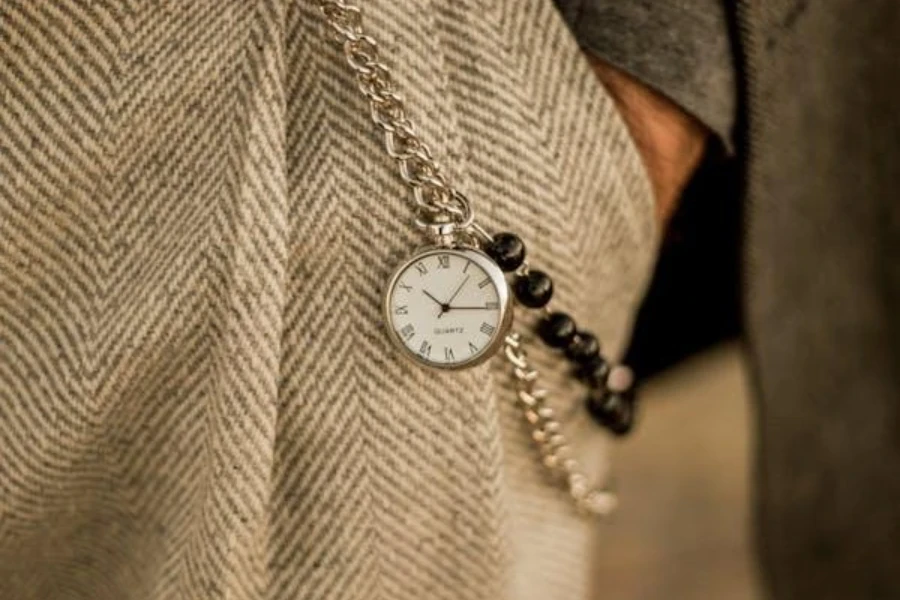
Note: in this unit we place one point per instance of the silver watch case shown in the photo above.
(503, 293)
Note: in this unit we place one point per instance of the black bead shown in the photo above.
(612, 411)
(557, 330)
(534, 290)
(583, 348)
(507, 250)
(629, 395)
(593, 372)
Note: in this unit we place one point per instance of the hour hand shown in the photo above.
(444, 307)
(438, 302)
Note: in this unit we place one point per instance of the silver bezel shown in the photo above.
(503, 293)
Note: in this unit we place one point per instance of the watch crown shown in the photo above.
(443, 234)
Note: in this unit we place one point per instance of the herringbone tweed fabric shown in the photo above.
(197, 399)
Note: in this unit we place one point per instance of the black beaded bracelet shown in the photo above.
(611, 397)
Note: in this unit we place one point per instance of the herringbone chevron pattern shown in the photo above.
(196, 220)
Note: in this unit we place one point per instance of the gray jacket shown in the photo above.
(807, 92)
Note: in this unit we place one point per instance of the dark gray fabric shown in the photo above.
(822, 268)
(824, 293)
(681, 49)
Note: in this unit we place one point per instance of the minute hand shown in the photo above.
(470, 308)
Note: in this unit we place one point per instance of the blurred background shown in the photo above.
(684, 477)
(683, 529)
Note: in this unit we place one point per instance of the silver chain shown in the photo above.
(437, 202)
(547, 433)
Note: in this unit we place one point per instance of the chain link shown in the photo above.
(435, 199)
(547, 433)
(438, 202)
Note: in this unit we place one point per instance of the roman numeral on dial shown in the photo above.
(421, 268)
(443, 261)
(484, 282)
(448, 354)
(401, 310)
(408, 332)
(473, 348)
(425, 348)
(487, 329)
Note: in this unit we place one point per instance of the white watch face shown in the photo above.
(448, 308)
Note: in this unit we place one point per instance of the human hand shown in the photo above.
(671, 141)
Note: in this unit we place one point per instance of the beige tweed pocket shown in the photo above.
(197, 398)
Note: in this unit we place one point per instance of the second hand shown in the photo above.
(447, 306)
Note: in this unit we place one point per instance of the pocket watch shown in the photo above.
(448, 307)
